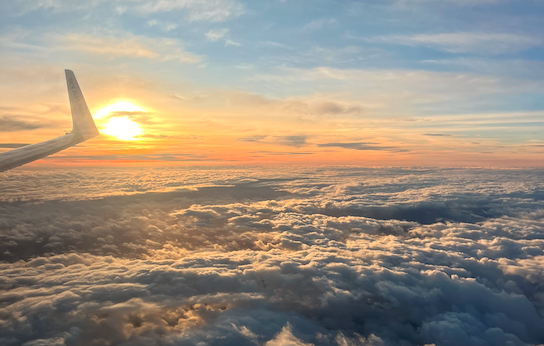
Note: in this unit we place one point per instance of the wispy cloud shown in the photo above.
(388, 88)
(311, 106)
(110, 46)
(274, 45)
(404, 4)
(164, 26)
(318, 24)
(128, 45)
(464, 42)
(232, 43)
(215, 35)
(196, 10)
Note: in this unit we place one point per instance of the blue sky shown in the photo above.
(385, 72)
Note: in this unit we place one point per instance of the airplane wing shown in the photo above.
(83, 129)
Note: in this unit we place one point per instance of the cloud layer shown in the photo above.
(307, 256)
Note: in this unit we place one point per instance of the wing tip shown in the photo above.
(83, 122)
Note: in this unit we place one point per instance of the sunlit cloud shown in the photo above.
(119, 106)
(278, 256)
(127, 45)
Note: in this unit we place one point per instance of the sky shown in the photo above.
(448, 83)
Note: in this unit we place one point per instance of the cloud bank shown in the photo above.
(305, 256)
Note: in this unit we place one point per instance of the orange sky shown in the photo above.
(229, 127)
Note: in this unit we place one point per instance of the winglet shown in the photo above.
(82, 119)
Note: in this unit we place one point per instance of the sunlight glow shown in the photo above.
(122, 128)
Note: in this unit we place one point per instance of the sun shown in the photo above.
(120, 126)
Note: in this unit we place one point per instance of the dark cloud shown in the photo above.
(436, 135)
(253, 139)
(335, 108)
(141, 117)
(356, 146)
(14, 123)
(292, 141)
(305, 256)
